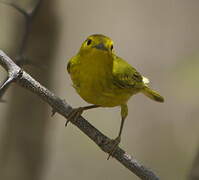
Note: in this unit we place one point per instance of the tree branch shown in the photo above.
(15, 74)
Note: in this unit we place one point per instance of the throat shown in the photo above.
(97, 65)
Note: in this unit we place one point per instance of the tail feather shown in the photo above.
(152, 94)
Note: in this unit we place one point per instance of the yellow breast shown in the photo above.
(93, 82)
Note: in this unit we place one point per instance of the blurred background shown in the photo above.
(159, 38)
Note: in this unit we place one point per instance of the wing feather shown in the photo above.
(124, 75)
(72, 63)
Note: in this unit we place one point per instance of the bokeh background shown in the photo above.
(159, 38)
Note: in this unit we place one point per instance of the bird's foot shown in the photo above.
(74, 114)
(115, 143)
(53, 112)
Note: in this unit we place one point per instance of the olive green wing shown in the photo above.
(125, 76)
(74, 70)
(72, 63)
(69, 66)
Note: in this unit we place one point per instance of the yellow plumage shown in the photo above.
(104, 79)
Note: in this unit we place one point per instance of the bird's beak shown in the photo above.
(101, 46)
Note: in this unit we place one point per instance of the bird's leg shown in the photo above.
(76, 112)
(117, 140)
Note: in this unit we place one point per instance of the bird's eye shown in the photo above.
(111, 47)
(89, 42)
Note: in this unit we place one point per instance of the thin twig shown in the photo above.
(60, 106)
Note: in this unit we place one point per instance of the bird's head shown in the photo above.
(97, 43)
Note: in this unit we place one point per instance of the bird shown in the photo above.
(104, 79)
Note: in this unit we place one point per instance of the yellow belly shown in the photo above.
(100, 91)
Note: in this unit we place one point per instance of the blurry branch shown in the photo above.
(15, 74)
(26, 8)
(28, 13)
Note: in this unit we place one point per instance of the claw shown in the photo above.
(115, 143)
(66, 124)
(75, 113)
(53, 112)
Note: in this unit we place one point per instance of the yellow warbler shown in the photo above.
(103, 79)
